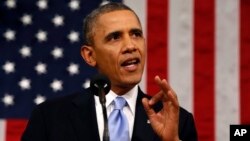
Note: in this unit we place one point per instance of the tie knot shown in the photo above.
(120, 102)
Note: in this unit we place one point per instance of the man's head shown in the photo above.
(91, 19)
(115, 45)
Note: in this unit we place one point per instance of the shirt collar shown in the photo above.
(130, 97)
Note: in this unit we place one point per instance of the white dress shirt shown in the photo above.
(128, 110)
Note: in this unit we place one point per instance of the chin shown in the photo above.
(132, 80)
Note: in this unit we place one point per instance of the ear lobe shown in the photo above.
(88, 54)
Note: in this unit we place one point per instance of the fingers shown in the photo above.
(150, 111)
(165, 95)
(159, 95)
(173, 98)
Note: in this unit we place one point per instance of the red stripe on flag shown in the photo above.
(245, 61)
(14, 129)
(204, 68)
(157, 42)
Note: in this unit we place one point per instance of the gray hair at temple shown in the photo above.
(91, 19)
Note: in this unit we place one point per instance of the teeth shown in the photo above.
(130, 62)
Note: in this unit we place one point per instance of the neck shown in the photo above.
(121, 90)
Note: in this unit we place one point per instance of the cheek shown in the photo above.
(143, 52)
(107, 62)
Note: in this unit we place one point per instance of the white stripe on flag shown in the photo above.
(140, 7)
(227, 67)
(181, 51)
(2, 130)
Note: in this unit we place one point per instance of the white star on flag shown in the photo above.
(73, 68)
(57, 52)
(39, 99)
(25, 84)
(8, 100)
(73, 36)
(10, 4)
(41, 36)
(25, 51)
(41, 68)
(74, 5)
(9, 67)
(58, 20)
(86, 84)
(10, 35)
(42, 4)
(56, 85)
(26, 19)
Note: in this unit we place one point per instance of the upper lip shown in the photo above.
(130, 60)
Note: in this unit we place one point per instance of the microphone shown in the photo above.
(100, 85)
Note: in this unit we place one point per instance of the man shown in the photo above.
(115, 46)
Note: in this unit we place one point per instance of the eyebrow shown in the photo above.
(114, 33)
(136, 30)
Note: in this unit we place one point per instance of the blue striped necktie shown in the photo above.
(118, 123)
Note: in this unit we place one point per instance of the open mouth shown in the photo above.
(131, 62)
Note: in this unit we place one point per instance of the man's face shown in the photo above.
(119, 49)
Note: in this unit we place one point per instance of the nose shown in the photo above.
(129, 45)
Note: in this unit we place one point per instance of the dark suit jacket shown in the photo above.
(73, 118)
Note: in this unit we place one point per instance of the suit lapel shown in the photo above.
(86, 128)
(142, 129)
(83, 118)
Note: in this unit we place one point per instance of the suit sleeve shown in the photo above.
(35, 130)
(187, 129)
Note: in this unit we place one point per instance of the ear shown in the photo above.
(88, 54)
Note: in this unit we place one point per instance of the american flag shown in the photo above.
(202, 47)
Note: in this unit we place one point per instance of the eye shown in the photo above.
(113, 36)
(116, 36)
(136, 33)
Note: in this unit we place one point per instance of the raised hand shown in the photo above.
(165, 122)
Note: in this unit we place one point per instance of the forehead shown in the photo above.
(118, 18)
